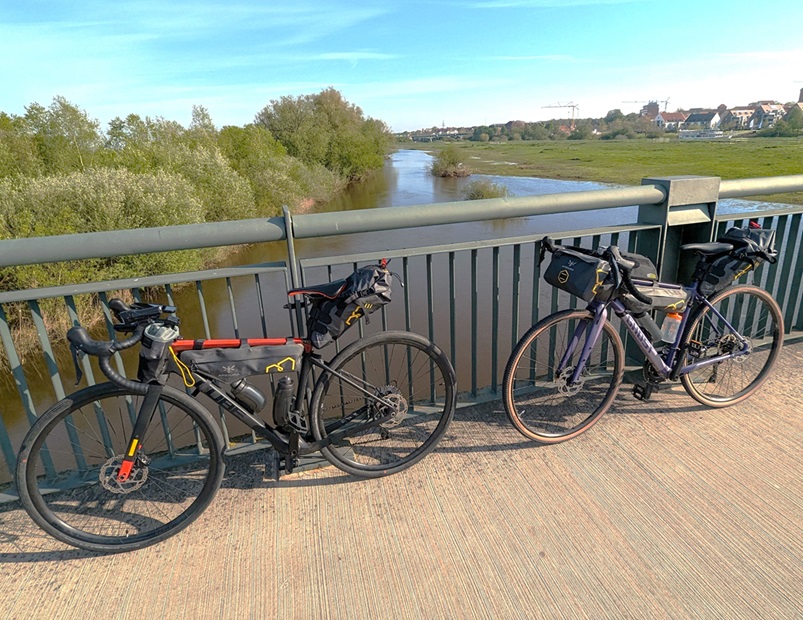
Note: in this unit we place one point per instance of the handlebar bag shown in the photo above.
(751, 248)
(580, 274)
(244, 361)
(366, 291)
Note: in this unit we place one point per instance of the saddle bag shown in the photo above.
(365, 291)
(751, 248)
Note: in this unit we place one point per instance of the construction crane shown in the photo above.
(571, 105)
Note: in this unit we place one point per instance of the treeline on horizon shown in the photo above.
(613, 126)
(61, 174)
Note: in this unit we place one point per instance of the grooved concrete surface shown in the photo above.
(664, 509)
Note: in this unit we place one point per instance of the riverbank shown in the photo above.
(627, 162)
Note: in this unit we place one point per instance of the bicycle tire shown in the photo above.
(67, 464)
(756, 315)
(539, 404)
(403, 367)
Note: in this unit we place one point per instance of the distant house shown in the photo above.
(738, 117)
(707, 119)
(765, 114)
(798, 106)
(670, 121)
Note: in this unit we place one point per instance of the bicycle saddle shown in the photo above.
(330, 290)
(708, 249)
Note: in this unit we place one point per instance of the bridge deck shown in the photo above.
(664, 509)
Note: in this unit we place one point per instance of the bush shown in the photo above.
(94, 201)
(480, 189)
(450, 162)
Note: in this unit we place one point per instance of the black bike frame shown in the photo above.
(295, 443)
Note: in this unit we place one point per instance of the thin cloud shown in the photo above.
(543, 4)
(547, 57)
(353, 56)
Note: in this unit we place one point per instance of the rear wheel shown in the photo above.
(758, 322)
(540, 399)
(384, 403)
(67, 469)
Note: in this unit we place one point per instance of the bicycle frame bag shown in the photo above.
(230, 364)
(751, 248)
(365, 291)
(579, 273)
(665, 297)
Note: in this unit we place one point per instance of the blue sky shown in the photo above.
(410, 63)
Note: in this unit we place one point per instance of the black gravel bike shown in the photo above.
(126, 464)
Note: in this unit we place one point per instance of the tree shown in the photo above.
(325, 129)
(614, 115)
(66, 138)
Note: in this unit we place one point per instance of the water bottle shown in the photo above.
(248, 396)
(669, 328)
(283, 401)
(648, 326)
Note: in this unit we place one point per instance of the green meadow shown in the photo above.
(628, 161)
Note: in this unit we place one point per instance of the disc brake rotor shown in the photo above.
(562, 381)
(397, 409)
(108, 476)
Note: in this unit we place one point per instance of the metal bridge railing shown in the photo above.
(474, 298)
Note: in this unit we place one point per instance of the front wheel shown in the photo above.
(67, 469)
(383, 403)
(540, 398)
(755, 343)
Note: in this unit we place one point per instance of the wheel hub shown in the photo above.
(396, 409)
(730, 344)
(562, 381)
(110, 469)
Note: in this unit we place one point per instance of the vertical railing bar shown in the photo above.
(495, 320)
(23, 391)
(407, 313)
(452, 309)
(474, 295)
(431, 322)
(232, 308)
(515, 302)
(55, 378)
(261, 307)
(199, 289)
(785, 259)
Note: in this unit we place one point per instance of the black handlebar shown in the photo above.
(135, 318)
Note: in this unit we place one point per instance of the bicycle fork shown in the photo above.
(592, 331)
(134, 451)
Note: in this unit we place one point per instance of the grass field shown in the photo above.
(629, 161)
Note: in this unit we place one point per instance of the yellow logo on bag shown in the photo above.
(354, 316)
(563, 276)
(279, 366)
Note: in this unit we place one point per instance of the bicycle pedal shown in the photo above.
(643, 392)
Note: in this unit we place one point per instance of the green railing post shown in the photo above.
(685, 216)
